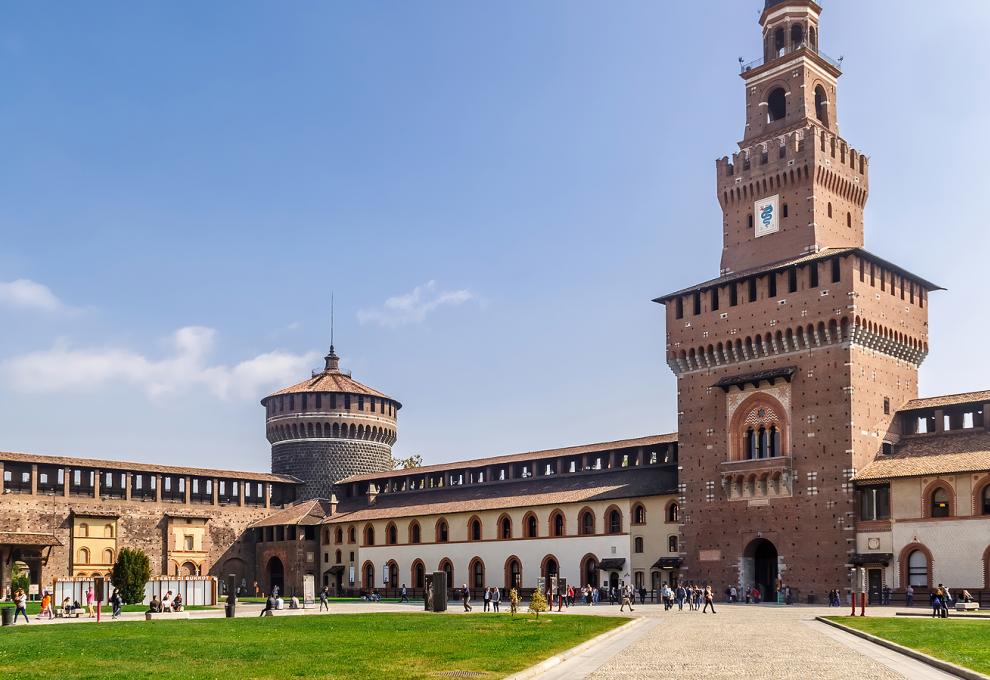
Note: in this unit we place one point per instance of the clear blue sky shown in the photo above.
(183, 183)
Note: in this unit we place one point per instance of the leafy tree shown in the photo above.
(130, 573)
(20, 578)
(538, 603)
(413, 461)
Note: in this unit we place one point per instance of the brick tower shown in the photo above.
(329, 427)
(792, 362)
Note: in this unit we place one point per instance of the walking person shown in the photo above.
(935, 600)
(324, 596)
(496, 598)
(709, 600)
(946, 600)
(466, 596)
(90, 612)
(116, 602)
(46, 606)
(909, 595)
(626, 599)
(404, 594)
(20, 605)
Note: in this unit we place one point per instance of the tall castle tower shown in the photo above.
(329, 427)
(792, 362)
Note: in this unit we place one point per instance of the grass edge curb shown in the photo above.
(557, 659)
(946, 666)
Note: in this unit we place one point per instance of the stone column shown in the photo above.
(939, 420)
(127, 486)
(268, 494)
(188, 497)
(66, 476)
(34, 479)
(1, 477)
(96, 483)
(158, 488)
(240, 492)
(216, 492)
(986, 425)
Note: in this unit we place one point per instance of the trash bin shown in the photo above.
(229, 609)
(7, 616)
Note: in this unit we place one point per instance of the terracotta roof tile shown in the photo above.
(652, 440)
(18, 538)
(7, 456)
(948, 400)
(303, 513)
(331, 381)
(580, 488)
(932, 454)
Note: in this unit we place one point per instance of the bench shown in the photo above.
(967, 606)
(62, 614)
(151, 616)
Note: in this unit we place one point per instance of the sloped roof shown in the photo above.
(982, 397)
(783, 264)
(331, 381)
(303, 513)
(651, 440)
(19, 538)
(932, 454)
(536, 491)
(69, 461)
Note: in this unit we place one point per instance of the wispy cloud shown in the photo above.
(414, 306)
(186, 366)
(28, 294)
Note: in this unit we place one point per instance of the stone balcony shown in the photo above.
(761, 478)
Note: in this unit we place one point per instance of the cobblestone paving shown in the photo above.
(741, 642)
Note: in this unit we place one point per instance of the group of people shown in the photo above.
(696, 597)
(168, 603)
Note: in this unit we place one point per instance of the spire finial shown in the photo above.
(333, 361)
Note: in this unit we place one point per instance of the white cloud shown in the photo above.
(27, 294)
(66, 369)
(413, 307)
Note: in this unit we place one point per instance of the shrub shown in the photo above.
(538, 603)
(130, 573)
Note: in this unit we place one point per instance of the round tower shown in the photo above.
(329, 427)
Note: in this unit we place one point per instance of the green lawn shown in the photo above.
(34, 607)
(965, 643)
(343, 646)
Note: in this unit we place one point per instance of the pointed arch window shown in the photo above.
(940, 503)
(505, 528)
(443, 531)
(587, 523)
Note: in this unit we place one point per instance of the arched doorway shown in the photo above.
(276, 575)
(760, 568)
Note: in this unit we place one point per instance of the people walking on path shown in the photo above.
(90, 612)
(935, 600)
(946, 600)
(496, 598)
(709, 600)
(909, 595)
(20, 605)
(324, 595)
(404, 595)
(46, 606)
(626, 599)
(466, 596)
(116, 602)
(486, 597)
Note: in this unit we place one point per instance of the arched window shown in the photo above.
(108, 531)
(418, 574)
(986, 500)
(337, 557)
(369, 575)
(352, 535)
(797, 36)
(918, 569)
(557, 523)
(415, 534)
(672, 513)
(590, 570)
(639, 514)
(614, 521)
(672, 544)
(443, 531)
(749, 444)
(780, 42)
(339, 536)
(82, 555)
(505, 527)
(474, 529)
(777, 105)
(532, 526)
(108, 556)
(550, 566)
(447, 567)
(638, 544)
(821, 105)
(477, 573)
(391, 534)
(513, 573)
(760, 429)
(369, 535)
(764, 448)
(587, 522)
(940, 503)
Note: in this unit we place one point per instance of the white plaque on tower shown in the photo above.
(767, 220)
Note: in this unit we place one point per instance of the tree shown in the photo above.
(20, 578)
(538, 603)
(130, 574)
(514, 601)
(413, 461)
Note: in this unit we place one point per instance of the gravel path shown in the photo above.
(741, 642)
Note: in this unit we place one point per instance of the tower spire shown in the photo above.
(332, 360)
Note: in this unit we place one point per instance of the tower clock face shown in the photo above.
(766, 215)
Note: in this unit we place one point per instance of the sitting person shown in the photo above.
(966, 597)
(167, 602)
(294, 603)
(177, 602)
(156, 605)
(269, 605)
